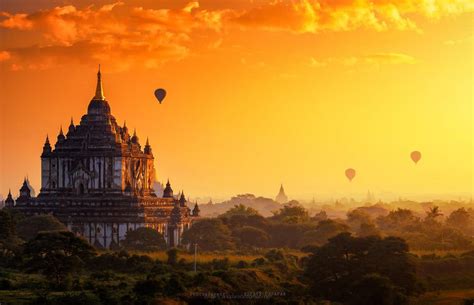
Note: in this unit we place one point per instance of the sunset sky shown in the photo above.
(259, 92)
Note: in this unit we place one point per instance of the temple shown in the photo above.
(98, 181)
(281, 197)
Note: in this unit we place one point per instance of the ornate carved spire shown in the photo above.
(196, 210)
(25, 190)
(182, 199)
(71, 126)
(99, 92)
(147, 149)
(135, 137)
(46, 146)
(61, 136)
(281, 197)
(9, 202)
(168, 191)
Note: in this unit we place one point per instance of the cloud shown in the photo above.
(389, 58)
(313, 62)
(454, 42)
(4, 55)
(311, 16)
(121, 35)
(371, 60)
(115, 34)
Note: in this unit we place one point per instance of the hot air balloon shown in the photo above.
(415, 156)
(160, 94)
(350, 173)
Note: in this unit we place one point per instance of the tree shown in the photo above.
(339, 268)
(10, 244)
(398, 220)
(323, 231)
(172, 256)
(8, 221)
(460, 219)
(287, 234)
(144, 239)
(292, 212)
(356, 218)
(57, 254)
(238, 221)
(240, 209)
(376, 289)
(322, 215)
(252, 236)
(209, 234)
(367, 229)
(29, 227)
(433, 213)
(148, 289)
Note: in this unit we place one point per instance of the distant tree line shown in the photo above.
(243, 227)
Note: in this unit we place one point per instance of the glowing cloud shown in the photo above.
(147, 37)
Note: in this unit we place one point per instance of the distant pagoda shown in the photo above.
(99, 182)
(281, 197)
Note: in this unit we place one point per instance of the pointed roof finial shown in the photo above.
(99, 92)
(71, 126)
(147, 143)
(61, 130)
(47, 139)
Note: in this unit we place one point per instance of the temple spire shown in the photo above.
(99, 92)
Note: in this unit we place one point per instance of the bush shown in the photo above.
(5, 284)
(275, 255)
(75, 299)
(258, 261)
(469, 301)
(29, 227)
(144, 239)
(220, 264)
(242, 264)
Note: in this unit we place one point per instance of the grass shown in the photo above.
(205, 257)
(202, 257)
(444, 297)
(438, 252)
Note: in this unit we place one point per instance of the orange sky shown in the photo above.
(259, 92)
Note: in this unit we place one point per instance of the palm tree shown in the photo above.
(433, 213)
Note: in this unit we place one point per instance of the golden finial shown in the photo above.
(99, 92)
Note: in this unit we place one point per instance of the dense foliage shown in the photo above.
(366, 270)
(363, 259)
(144, 239)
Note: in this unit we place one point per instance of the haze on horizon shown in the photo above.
(259, 92)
